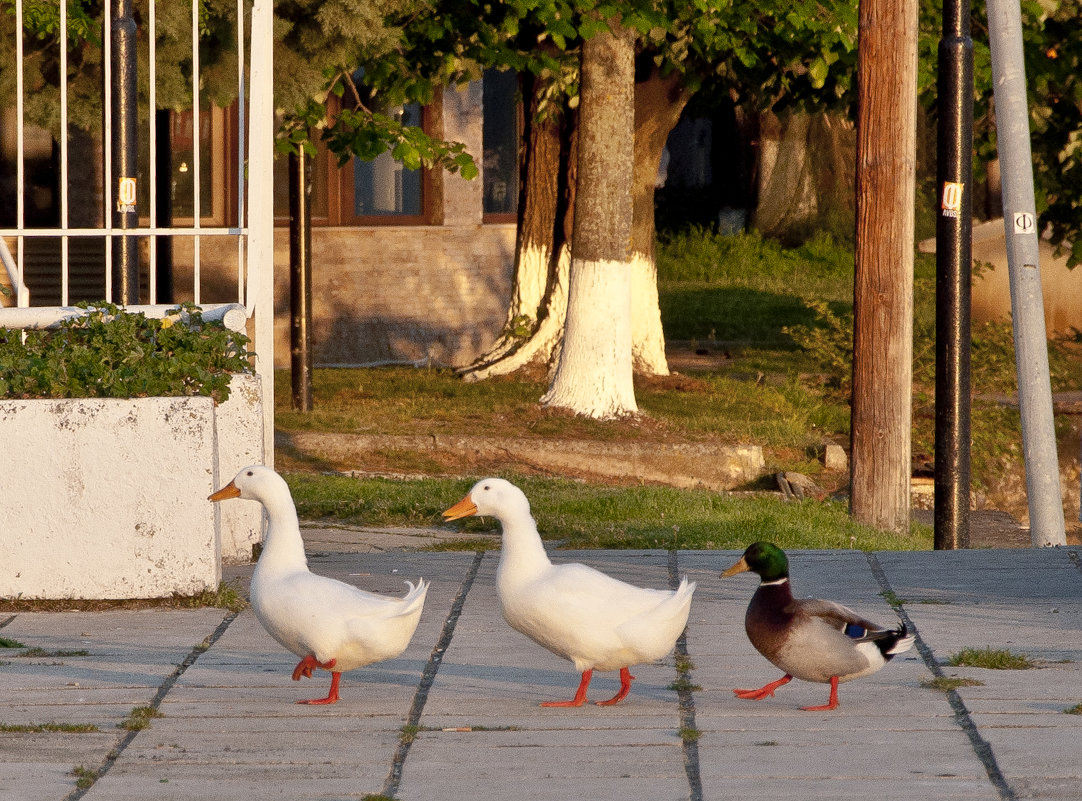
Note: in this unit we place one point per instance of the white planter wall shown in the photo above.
(107, 498)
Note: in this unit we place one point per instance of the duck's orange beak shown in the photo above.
(463, 508)
(228, 491)
(741, 566)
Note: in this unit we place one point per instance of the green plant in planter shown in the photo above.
(111, 353)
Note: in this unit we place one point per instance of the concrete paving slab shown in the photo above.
(230, 726)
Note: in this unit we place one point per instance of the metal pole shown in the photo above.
(954, 227)
(163, 197)
(125, 152)
(300, 280)
(1027, 303)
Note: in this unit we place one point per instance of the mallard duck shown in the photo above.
(810, 639)
(329, 624)
(575, 611)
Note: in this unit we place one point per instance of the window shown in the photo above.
(377, 192)
(500, 142)
(384, 186)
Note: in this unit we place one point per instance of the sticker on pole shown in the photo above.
(125, 195)
(952, 198)
(1024, 222)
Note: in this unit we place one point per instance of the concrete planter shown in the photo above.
(107, 498)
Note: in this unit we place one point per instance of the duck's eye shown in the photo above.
(251, 472)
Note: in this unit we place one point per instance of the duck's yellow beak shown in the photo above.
(741, 566)
(463, 508)
(228, 491)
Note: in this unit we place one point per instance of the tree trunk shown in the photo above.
(535, 318)
(594, 374)
(659, 102)
(883, 291)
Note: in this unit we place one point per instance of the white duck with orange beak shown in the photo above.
(575, 611)
(328, 623)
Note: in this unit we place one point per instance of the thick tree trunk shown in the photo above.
(594, 375)
(535, 318)
(659, 102)
(883, 292)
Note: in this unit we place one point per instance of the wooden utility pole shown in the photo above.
(883, 287)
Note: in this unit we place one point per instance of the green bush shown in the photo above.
(110, 353)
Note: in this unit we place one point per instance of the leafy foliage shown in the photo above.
(85, 69)
(109, 353)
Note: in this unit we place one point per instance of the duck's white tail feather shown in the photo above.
(903, 645)
(414, 599)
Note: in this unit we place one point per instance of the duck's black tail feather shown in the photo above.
(895, 641)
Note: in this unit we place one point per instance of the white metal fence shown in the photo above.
(251, 226)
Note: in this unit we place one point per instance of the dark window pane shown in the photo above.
(500, 142)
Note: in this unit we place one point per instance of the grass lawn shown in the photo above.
(779, 321)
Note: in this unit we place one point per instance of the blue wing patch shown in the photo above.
(855, 631)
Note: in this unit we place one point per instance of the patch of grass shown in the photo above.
(84, 777)
(1074, 710)
(991, 658)
(407, 734)
(583, 515)
(892, 598)
(140, 718)
(767, 742)
(732, 295)
(226, 596)
(42, 653)
(37, 728)
(8, 643)
(684, 685)
(947, 683)
(690, 735)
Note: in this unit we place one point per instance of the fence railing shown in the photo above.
(250, 226)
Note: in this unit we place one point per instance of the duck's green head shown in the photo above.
(764, 558)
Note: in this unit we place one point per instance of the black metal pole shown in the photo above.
(300, 280)
(163, 199)
(125, 153)
(954, 222)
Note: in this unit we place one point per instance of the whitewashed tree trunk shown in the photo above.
(594, 375)
(543, 344)
(647, 336)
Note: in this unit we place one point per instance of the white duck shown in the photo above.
(328, 623)
(579, 613)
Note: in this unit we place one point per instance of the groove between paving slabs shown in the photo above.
(685, 696)
(155, 702)
(394, 778)
(981, 747)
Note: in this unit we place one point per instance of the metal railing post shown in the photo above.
(125, 152)
(300, 280)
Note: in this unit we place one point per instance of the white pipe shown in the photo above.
(107, 145)
(196, 165)
(20, 170)
(64, 260)
(22, 291)
(230, 315)
(260, 289)
(152, 123)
